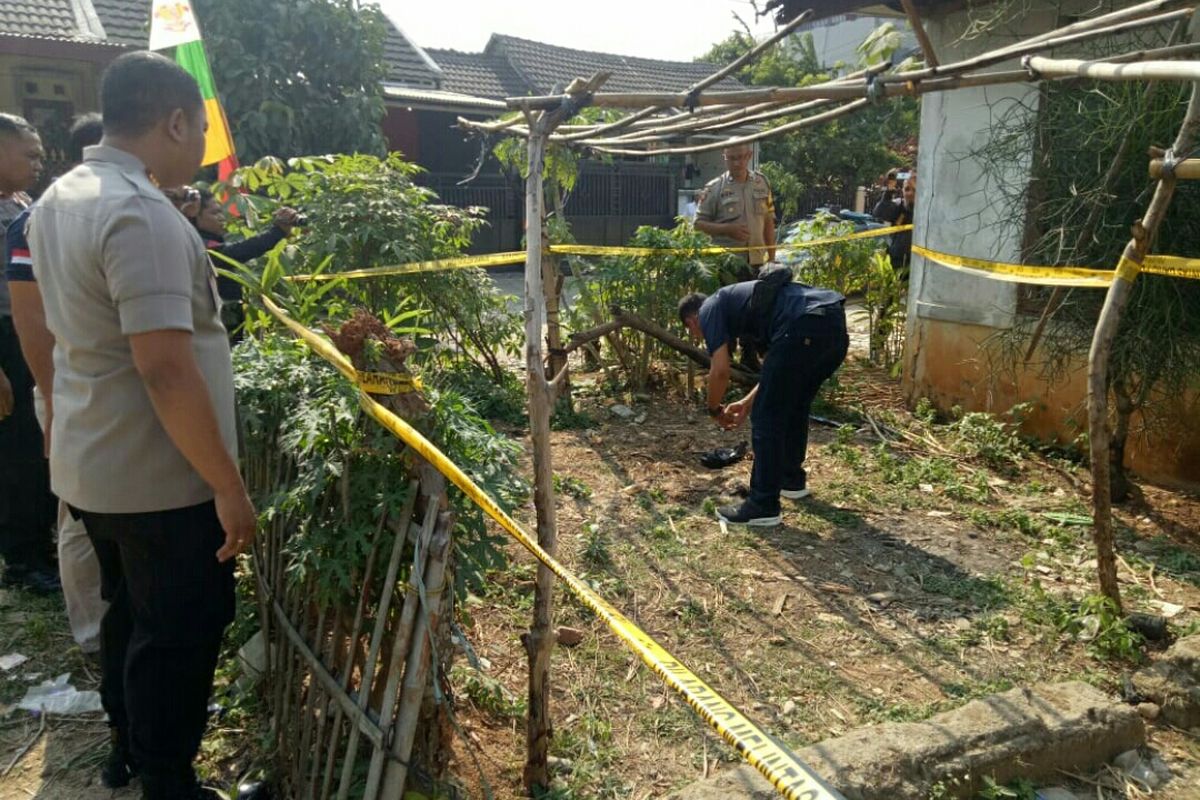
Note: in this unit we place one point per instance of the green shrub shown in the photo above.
(345, 470)
(365, 211)
(649, 286)
(1099, 623)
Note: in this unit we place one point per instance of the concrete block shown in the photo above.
(1030, 733)
(1172, 683)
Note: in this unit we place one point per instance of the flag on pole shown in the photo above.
(172, 24)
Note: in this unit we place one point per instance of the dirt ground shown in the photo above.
(934, 564)
(916, 578)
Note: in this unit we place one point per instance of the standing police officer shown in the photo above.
(737, 210)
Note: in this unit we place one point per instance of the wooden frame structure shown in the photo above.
(544, 120)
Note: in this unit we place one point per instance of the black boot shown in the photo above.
(175, 785)
(118, 768)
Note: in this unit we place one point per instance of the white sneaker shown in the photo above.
(795, 494)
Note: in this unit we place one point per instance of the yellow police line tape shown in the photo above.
(1173, 266)
(792, 778)
(388, 382)
(517, 256)
(597, 250)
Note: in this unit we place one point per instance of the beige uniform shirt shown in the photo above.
(114, 258)
(750, 203)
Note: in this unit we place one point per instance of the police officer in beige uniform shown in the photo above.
(737, 210)
(144, 442)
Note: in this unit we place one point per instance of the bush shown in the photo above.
(844, 266)
(365, 211)
(649, 286)
(346, 470)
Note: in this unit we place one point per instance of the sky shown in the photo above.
(676, 30)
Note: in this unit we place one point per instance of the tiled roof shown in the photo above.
(56, 19)
(125, 22)
(477, 74)
(407, 63)
(544, 65)
(785, 10)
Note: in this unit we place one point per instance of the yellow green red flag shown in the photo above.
(173, 25)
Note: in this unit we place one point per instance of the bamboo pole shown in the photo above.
(834, 90)
(815, 119)
(1101, 351)
(1113, 17)
(403, 634)
(377, 634)
(751, 54)
(417, 663)
(539, 639)
(348, 662)
(701, 85)
(552, 288)
(914, 21)
(1186, 170)
(1108, 71)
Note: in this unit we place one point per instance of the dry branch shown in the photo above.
(622, 318)
(1101, 350)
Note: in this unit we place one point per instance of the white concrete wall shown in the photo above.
(957, 211)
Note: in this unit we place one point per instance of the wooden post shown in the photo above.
(1101, 350)
(540, 638)
(552, 290)
(914, 20)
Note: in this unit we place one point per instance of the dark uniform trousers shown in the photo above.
(159, 641)
(27, 508)
(797, 363)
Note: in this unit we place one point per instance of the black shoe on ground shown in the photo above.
(177, 787)
(118, 768)
(38, 580)
(748, 513)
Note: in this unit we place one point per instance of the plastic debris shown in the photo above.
(11, 661)
(60, 697)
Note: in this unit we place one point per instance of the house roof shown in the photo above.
(785, 10)
(541, 66)
(478, 74)
(407, 63)
(126, 23)
(39, 17)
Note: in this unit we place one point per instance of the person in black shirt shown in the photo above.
(806, 342)
(898, 211)
(202, 208)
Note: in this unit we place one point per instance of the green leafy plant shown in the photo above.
(365, 211)
(346, 471)
(984, 436)
(885, 301)
(572, 487)
(1099, 623)
(1020, 789)
(843, 266)
(649, 286)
